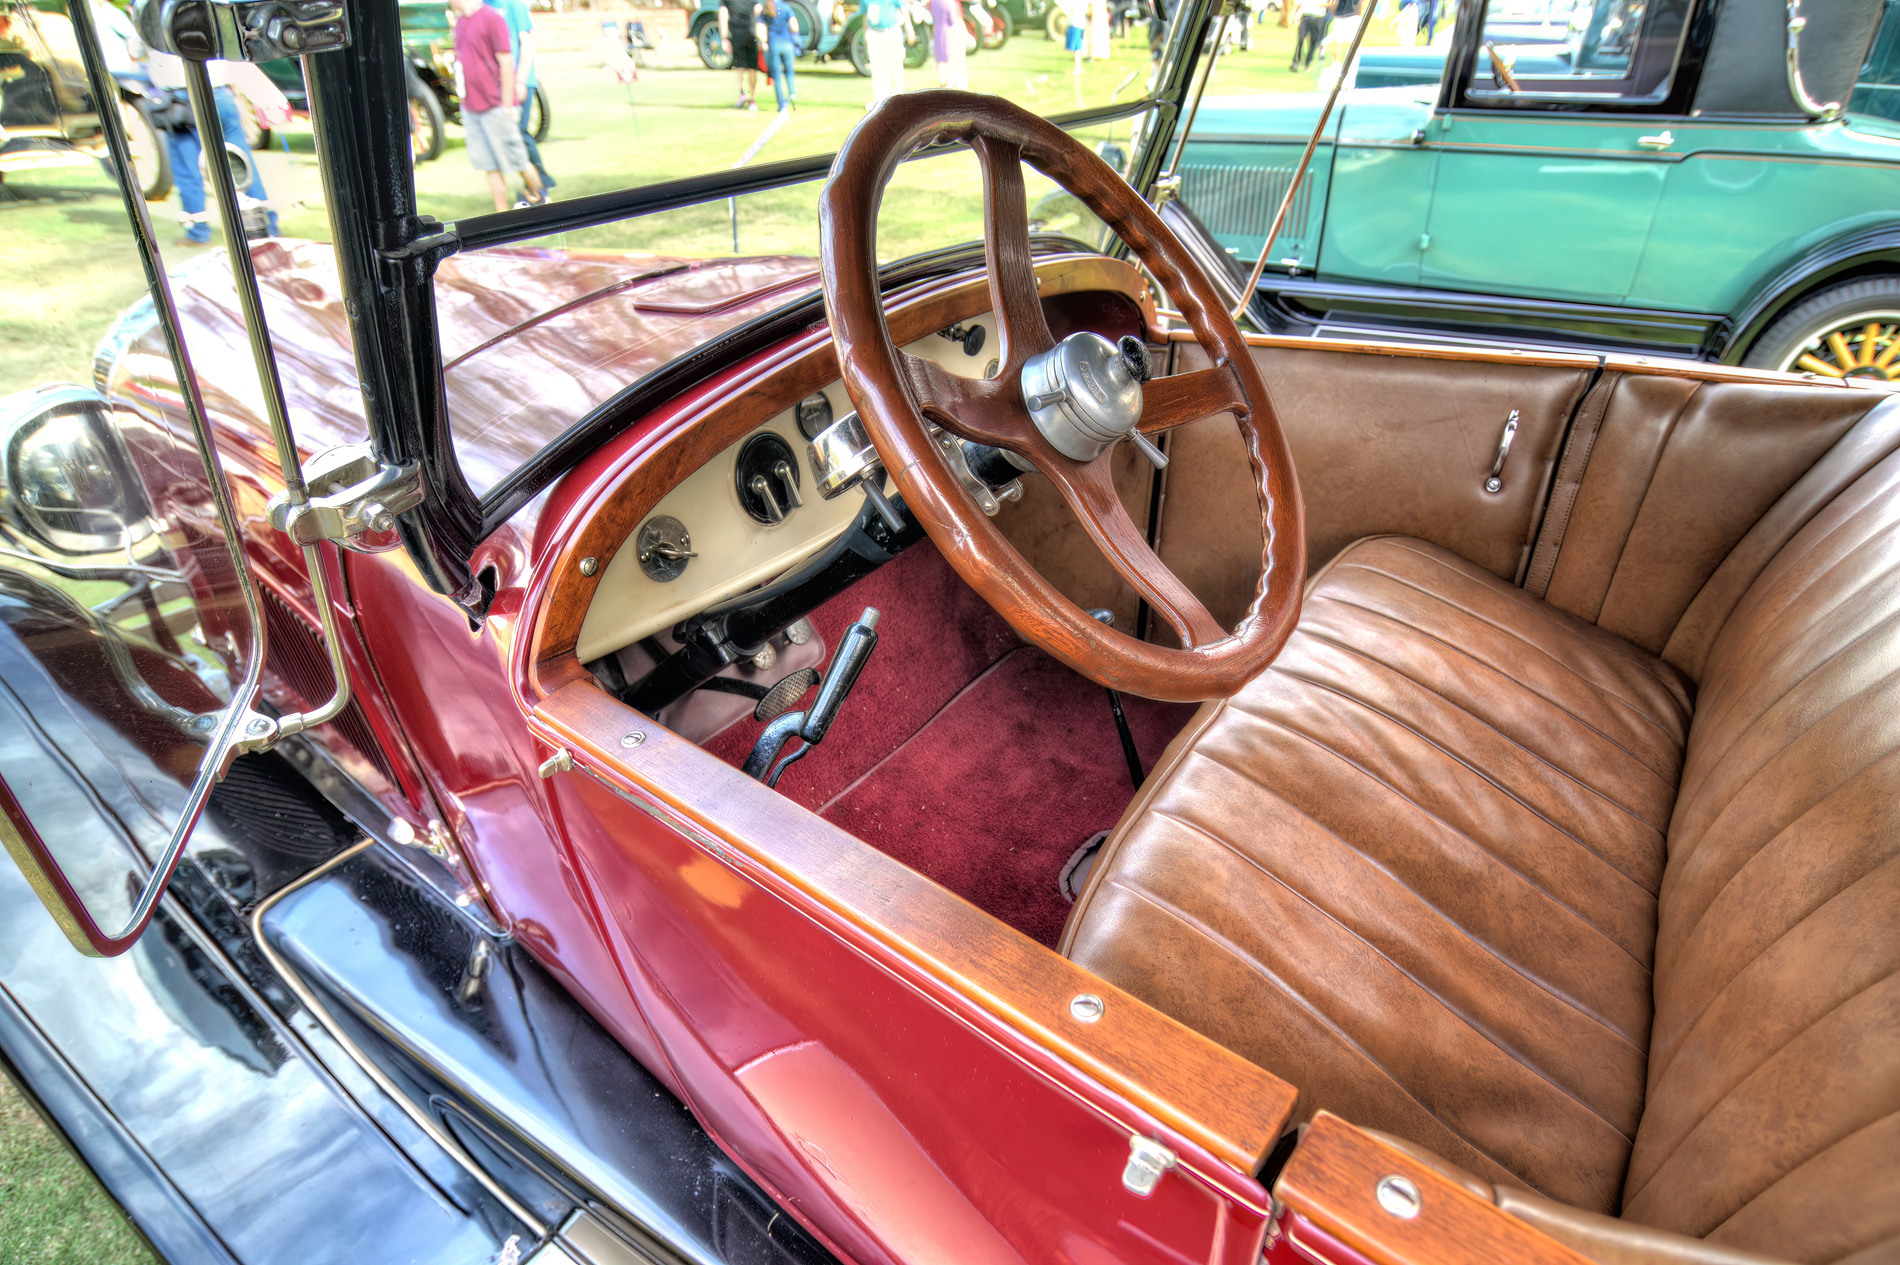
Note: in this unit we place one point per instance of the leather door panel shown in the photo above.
(1383, 443)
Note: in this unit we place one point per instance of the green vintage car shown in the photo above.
(1668, 176)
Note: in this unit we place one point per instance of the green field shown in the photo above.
(52, 1211)
(71, 267)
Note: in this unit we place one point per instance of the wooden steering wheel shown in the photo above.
(895, 392)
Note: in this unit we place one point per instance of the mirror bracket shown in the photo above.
(247, 31)
(352, 496)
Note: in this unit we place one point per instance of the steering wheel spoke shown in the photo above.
(1089, 488)
(1024, 329)
(982, 409)
(1188, 397)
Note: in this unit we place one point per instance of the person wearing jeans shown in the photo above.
(782, 47)
(521, 34)
(187, 148)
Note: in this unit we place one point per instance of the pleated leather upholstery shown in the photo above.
(1774, 1073)
(1413, 869)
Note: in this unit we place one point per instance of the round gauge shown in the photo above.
(814, 414)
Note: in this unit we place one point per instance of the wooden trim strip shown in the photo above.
(1212, 1097)
(1332, 1180)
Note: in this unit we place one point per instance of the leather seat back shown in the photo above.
(1772, 1116)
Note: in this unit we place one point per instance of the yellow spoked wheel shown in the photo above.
(1866, 350)
(1851, 330)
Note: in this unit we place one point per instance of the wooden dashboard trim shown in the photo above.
(1622, 362)
(1231, 1108)
(1331, 1181)
(773, 384)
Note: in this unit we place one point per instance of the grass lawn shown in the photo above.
(52, 1211)
(71, 266)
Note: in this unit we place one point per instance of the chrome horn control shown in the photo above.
(1085, 393)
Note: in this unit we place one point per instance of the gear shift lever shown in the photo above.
(854, 651)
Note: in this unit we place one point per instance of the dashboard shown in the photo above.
(756, 510)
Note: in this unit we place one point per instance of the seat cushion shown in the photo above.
(1413, 869)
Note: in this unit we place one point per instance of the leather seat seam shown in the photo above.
(1875, 1123)
(1503, 790)
(1659, 831)
(1669, 1060)
(1403, 886)
(1716, 1104)
(1424, 990)
(1612, 695)
(1584, 439)
(1649, 488)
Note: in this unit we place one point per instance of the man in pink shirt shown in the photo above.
(490, 101)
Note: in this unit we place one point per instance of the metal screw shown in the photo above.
(1086, 1008)
(1399, 1196)
(632, 738)
(204, 724)
(1493, 484)
(258, 728)
(589, 565)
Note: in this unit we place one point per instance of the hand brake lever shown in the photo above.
(854, 651)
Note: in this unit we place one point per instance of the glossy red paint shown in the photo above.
(1294, 1240)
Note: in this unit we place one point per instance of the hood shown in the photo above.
(532, 340)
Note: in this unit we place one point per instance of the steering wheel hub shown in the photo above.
(1082, 394)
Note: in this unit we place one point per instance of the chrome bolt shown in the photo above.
(258, 728)
(204, 724)
(377, 517)
(589, 565)
(1086, 1008)
(1399, 1196)
(632, 738)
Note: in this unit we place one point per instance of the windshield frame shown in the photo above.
(387, 254)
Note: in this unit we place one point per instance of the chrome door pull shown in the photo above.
(1495, 482)
(1662, 140)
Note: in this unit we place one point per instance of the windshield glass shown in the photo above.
(536, 335)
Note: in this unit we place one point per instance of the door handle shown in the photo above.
(1662, 140)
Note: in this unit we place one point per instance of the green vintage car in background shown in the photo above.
(1666, 176)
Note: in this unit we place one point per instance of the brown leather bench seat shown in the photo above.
(1474, 872)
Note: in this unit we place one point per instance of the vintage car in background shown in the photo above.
(521, 753)
(1669, 178)
(47, 114)
(428, 42)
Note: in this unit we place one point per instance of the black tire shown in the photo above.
(1798, 341)
(428, 125)
(151, 151)
(1056, 26)
(858, 52)
(712, 46)
(540, 115)
(918, 53)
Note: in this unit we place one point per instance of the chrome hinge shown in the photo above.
(1164, 189)
(248, 31)
(351, 495)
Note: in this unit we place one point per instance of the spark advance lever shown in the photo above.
(854, 651)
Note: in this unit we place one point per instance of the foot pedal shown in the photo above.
(811, 726)
(784, 694)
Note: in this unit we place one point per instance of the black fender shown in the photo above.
(1863, 252)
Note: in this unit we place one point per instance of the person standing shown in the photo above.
(1313, 16)
(946, 44)
(485, 63)
(186, 147)
(1344, 25)
(886, 31)
(521, 32)
(783, 44)
(739, 27)
(1099, 46)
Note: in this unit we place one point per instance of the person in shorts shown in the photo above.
(491, 101)
(739, 26)
(521, 32)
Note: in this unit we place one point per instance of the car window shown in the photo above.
(1610, 49)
